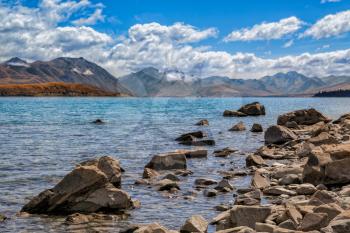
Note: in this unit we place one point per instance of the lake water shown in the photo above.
(42, 139)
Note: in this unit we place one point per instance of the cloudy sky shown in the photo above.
(239, 39)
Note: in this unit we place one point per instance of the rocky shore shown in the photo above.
(300, 180)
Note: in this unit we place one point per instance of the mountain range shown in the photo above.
(152, 82)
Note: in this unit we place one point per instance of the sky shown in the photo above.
(238, 39)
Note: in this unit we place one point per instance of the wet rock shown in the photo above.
(2, 218)
(278, 190)
(238, 127)
(191, 135)
(302, 117)
(86, 189)
(203, 122)
(204, 142)
(313, 221)
(253, 109)
(231, 113)
(168, 161)
(290, 179)
(249, 215)
(256, 128)
(224, 186)
(222, 208)
(204, 182)
(149, 173)
(196, 223)
(250, 198)
(259, 181)
(210, 193)
(141, 182)
(171, 176)
(183, 172)
(152, 228)
(77, 219)
(167, 185)
(255, 160)
(224, 152)
(277, 134)
(194, 154)
(98, 122)
(292, 125)
(306, 189)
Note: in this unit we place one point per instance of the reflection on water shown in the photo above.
(41, 139)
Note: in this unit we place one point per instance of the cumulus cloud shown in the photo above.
(330, 25)
(266, 31)
(36, 33)
(92, 19)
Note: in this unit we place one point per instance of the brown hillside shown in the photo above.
(53, 89)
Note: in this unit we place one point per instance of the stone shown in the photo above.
(253, 109)
(241, 229)
(250, 198)
(203, 122)
(141, 182)
(305, 189)
(238, 127)
(194, 154)
(292, 125)
(304, 150)
(331, 209)
(210, 193)
(231, 113)
(249, 215)
(293, 214)
(224, 152)
(255, 160)
(204, 142)
(168, 161)
(256, 128)
(149, 173)
(204, 182)
(2, 218)
(259, 181)
(340, 226)
(278, 190)
(196, 223)
(86, 189)
(277, 134)
(98, 122)
(289, 179)
(302, 117)
(171, 176)
(288, 224)
(323, 138)
(152, 228)
(313, 221)
(224, 186)
(322, 197)
(167, 185)
(77, 218)
(191, 135)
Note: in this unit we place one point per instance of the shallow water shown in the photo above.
(41, 139)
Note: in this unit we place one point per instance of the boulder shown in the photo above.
(224, 152)
(250, 198)
(256, 128)
(255, 160)
(305, 189)
(289, 179)
(249, 215)
(196, 223)
(231, 113)
(210, 193)
(168, 161)
(302, 117)
(313, 221)
(331, 209)
(259, 181)
(253, 109)
(277, 134)
(191, 135)
(322, 197)
(203, 122)
(238, 127)
(167, 185)
(152, 228)
(224, 186)
(204, 182)
(89, 188)
(149, 173)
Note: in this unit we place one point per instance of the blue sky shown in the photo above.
(244, 39)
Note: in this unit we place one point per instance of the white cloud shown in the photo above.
(288, 44)
(92, 19)
(330, 25)
(325, 1)
(266, 31)
(27, 33)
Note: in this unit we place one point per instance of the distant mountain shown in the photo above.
(151, 82)
(60, 70)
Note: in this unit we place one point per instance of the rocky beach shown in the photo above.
(298, 180)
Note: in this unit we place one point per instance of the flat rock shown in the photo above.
(232, 113)
(224, 152)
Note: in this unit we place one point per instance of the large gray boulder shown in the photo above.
(302, 117)
(92, 186)
(277, 134)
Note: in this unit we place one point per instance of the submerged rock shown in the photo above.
(253, 109)
(92, 186)
(190, 136)
(256, 128)
(238, 127)
(203, 122)
(231, 113)
(149, 173)
(194, 154)
(224, 152)
(98, 122)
